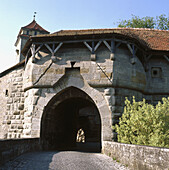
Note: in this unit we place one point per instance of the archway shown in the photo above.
(63, 117)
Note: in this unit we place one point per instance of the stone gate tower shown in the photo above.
(78, 79)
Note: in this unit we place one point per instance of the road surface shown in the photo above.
(63, 160)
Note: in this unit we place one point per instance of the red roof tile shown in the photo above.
(154, 39)
(35, 25)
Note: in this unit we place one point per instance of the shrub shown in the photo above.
(144, 124)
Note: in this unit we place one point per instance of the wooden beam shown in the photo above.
(33, 49)
(149, 56)
(130, 48)
(26, 59)
(57, 48)
(107, 45)
(92, 47)
(48, 47)
(113, 46)
(38, 48)
(97, 45)
(88, 46)
(118, 44)
(134, 50)
(90, 40)
(53, 46)
(166, 57)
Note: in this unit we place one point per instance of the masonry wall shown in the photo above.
(9, 149)
(12, 110)
(158, 84)
(138, 157)
(114, 79)
(4, 85)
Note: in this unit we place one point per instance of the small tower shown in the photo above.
(25, 32)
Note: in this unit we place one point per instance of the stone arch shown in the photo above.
(66, 112)
(73, 78)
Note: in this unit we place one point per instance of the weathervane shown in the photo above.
(34, 15)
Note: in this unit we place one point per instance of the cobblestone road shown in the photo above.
(65, 160)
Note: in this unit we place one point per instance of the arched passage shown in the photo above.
(66, 113)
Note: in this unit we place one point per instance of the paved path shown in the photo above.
(65, 160)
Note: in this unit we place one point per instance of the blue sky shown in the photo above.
(55, 15)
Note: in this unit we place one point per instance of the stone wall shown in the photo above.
(9, 149)
(138, 157)
(158, 83)
(25, 92)
(12, 100)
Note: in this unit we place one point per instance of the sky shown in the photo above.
(55, 15)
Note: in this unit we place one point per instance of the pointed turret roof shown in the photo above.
(32, 26)
(35, 26)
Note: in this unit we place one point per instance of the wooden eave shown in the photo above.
(53, 38)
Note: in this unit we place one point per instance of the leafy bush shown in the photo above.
(144, 124)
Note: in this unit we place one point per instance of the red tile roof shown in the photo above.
(154, 39)
(34, 25)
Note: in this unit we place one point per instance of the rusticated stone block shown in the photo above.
(20, 126)
(8, 107)
(8, 122)
(17, 117)
(13, 89)
(16, 100)
(12, 117)
(19, 79)
(16, 121)
(21, 106)
(16, 112)
(9, 101)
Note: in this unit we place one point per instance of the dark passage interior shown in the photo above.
(71, 121)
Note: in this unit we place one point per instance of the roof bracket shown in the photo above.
(111, 48)
(53, 50)
(133, 51)
(166, 57)
(93, 48)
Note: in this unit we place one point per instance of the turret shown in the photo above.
(25, 32)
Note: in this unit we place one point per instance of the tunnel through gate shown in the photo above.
(71, 120)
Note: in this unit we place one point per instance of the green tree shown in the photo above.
(144, 124)
(160, 22)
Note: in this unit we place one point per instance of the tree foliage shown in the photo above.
(160, 22)
(144, 124)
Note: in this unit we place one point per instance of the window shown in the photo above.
(17, 51)
(156, 72)
(27, 32)
(6, 93)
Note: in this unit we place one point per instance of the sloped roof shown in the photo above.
(150, 39)
(154, 39)
(34, 25)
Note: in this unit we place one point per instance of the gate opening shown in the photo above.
(80, 136)
(71, 121)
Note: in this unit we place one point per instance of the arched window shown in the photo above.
(80, 136)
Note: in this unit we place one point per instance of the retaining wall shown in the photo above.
(138, 157)
(12, 148)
